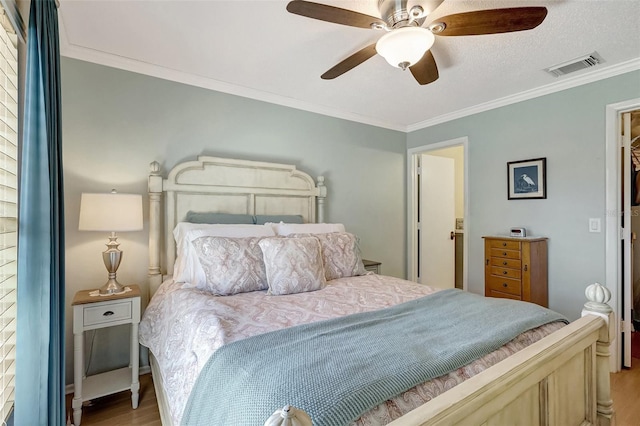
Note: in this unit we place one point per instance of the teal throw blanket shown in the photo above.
(338, 369)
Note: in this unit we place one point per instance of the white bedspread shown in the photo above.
(183, 327)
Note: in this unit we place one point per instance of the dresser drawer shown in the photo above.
(505, 285)
(504, 253)
(506, 263)
(107, 313)
(508, 245)
(501, 295)
(506, 272)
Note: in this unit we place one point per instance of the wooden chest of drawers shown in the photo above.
(516, 268)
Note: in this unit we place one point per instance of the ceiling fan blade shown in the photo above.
(351, 62)
(333, 14)
(492, 21)
(425, 71)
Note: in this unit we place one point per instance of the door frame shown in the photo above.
(613, 219)
(412, 201)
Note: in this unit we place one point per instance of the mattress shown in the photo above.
(183, 327)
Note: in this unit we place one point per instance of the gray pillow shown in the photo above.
(212, 217)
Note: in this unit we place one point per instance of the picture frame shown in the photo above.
(527, 179)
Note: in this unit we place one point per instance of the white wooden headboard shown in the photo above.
(223, 185)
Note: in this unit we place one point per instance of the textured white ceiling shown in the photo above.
(259, 50)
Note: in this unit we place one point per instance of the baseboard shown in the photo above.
(143, 370)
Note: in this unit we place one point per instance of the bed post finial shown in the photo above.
(598, 296)
(155, 198)
(322, 195)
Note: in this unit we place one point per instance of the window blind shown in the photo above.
(8, 210)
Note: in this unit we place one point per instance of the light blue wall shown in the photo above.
(116, 122)
(568, 128)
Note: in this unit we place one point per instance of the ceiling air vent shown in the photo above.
(578, 64)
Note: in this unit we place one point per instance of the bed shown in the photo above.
(551, 374)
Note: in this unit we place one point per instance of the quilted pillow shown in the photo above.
(340, 254)
(293, 265)
(230, 265)
(187, 268)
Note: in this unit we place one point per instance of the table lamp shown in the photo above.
(111, 212)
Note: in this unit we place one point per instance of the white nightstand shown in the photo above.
(372, 265)
(92, 312)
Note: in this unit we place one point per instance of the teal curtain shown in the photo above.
(40, 327)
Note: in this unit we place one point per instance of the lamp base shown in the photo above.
(112, 257)
(112, 287)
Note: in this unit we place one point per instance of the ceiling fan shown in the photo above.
(406, 42)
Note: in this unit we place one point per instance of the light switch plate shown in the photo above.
(594, 224)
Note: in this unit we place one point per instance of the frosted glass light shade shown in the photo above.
(110, 212)
(405, 46)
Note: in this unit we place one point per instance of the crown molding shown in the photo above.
(127, 64)
(124, 63)
(601, 74)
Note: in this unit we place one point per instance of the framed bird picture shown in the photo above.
(527, 179)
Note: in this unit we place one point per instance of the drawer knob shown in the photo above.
(504, 285)
(107, 314)
(504, 244)
(526, 268)
(504, 253)
(504, 263)
(504, 272)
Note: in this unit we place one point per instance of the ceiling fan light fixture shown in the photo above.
(405, 46)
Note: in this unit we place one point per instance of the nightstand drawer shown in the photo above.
(107, 313)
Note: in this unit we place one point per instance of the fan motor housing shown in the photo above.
(393, 11)
(397, 13)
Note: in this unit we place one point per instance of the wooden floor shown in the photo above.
(116, 409)
(625, 387)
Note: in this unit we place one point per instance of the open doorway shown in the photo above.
(437, 209)
(630, 132)
(618, 236)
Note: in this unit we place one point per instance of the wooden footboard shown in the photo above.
(562, 379)
(552, 382)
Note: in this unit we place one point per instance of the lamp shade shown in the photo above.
(405, 46)
(110, 212)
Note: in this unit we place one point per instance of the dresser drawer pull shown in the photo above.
(504, 253)
(505, 272)
(504, 244)
(107, 314)
(525, 267)
(505, 285)
(504, 263)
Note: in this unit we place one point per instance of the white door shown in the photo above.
(626, 223)
(436, 222)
